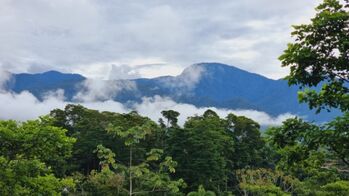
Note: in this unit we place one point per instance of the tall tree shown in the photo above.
(171, 117)
(201, 150)
(89, 128)
(248, 143)
(141, 177)
(320, 56)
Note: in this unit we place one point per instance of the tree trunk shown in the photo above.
(130, 172)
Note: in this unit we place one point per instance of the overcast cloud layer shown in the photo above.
(148, 38)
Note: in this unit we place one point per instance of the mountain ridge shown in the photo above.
(202, 84)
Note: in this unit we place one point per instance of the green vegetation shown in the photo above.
(79, 151)
(319, 57)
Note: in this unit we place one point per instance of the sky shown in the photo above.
(123, 39)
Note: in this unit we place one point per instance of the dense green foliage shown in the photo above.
(320, 56)
(33, 158)
(209, 155)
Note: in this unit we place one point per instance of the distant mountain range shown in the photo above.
(203, 85)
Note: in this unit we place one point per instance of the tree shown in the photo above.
(32, 155)
(336, 137)
(141, 177)
(171, 117)
(265, 182)
(305, 151)
(297, 144)
(104, 181)
(201, 150)
(248, 144)
(201, 192)
(132, 137)
(36, 140)
(21, 176)
(89, 128)
(336, 188)
(320, 56)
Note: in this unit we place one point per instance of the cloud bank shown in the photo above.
(25, 106)
(152, 108)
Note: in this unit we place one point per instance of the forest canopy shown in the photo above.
(79, 151)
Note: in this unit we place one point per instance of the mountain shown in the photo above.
(39, 84)
(204, 84)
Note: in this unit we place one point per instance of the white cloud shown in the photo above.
(152, 107)
(122, 72)
(158, 69)
(186, 81)
(5, 76)
(57, 94)
(93, 90)
(85, 36)
(25, 106)
(191, 76)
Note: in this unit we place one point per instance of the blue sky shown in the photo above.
(128, 39)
